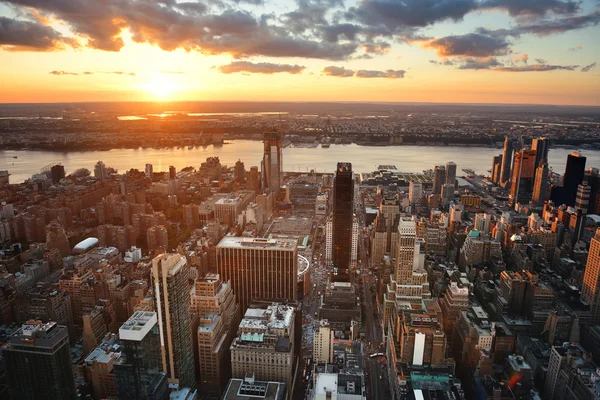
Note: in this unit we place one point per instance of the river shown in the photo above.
(363, 158)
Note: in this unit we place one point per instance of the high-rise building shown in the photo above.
(482, 223)
(563, 358)
(323, 342)
(573, 176)
(172, 298)
(259, 269)
(439, 178)
(272, 164)
(507, 157)
(253, 182)
(415, 192)
(264, 345)
(582, 201)
(590, 290)
(593, 179)
(56, 238)
(98, 367)
(541, 146)
(240, 171)
(37, 361)
(138, 373)
(541, 186)
(100, 171)
(329, 240)
(450, 173)
(496, 169)
(343, 211)
(57, 172)
(148, 171)
(522, 177)
(172, 172)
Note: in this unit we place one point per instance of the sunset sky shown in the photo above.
(474, 51)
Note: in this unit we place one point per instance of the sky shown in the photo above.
(451, 51)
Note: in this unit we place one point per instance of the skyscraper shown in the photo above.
(415, 191)
(574, 173)
(259, 269)
(172, 172)
(522, 177)
(172, 298)
(582, 201)
(343, 206)
(240, 171)
(37, 361)
(507, 156)
(541, 146)
(253, 182)
(138, 373)
(450, 172)
(439, 177)
(590, 291)
(593, 179)
(541, 186)
(272, 164)
(148, 170)
(57, 172)
(496, 168)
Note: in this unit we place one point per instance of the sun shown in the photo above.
(160, 87)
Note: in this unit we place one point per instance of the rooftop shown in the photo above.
(257, 243)
(138, 325)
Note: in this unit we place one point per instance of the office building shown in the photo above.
(157, 238)
(56, 238)
(172, 172)
(343, 206)
(37, 361)
(574, 173)
(239, 172)
(450, 173)
(138, 373)
(172, 302)
(253, 182)
(590, 290)
(100, 171)
(541, 146)
(148, 170)
(482, 223)
(415, 192)
(98, 367)
(272, 164)
(259, 269)
(251, 388)
(455, 300)
(521, 188)
(228, 209)
(541, 187)
(439, 178)
(422, 340)
(264, 345)
(57, 172)
(582, 201)
(564, 361)
(507, 157)
(214, 302)
(496, 169)
(323, 342)
(593, 180)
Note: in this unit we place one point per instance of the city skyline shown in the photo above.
(452, 51)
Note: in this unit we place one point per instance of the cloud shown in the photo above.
(541, 61)
(378, 48)
(443, 62)
(332, 33)
(260, 68)
(479, 63)
(471, 44)
(119, 73)
(390, 73)
(576, 48)
(546, 27)
(17, 35)
(523, 57)
(337, 71)
(537, 68)
(588, 68)
(62, 73)
(533, 7)
(167, 72)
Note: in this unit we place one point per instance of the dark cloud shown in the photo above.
(541, 61)
(390, 73)
(397, 14)
(260, 68)
(337, 71)
(378, 48)
(471, 45)
(62, 73)
(332, 33)
(479, 63)
(533, 7)
(443, 62)
(588, 68)
(546, 27)
(30, 36)
(537, 68)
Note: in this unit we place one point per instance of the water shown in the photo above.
(363, 158)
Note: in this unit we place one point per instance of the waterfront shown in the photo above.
(363, 158)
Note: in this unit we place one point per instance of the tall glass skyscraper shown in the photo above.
(272, 164)
(573, 177)
(343, 211)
